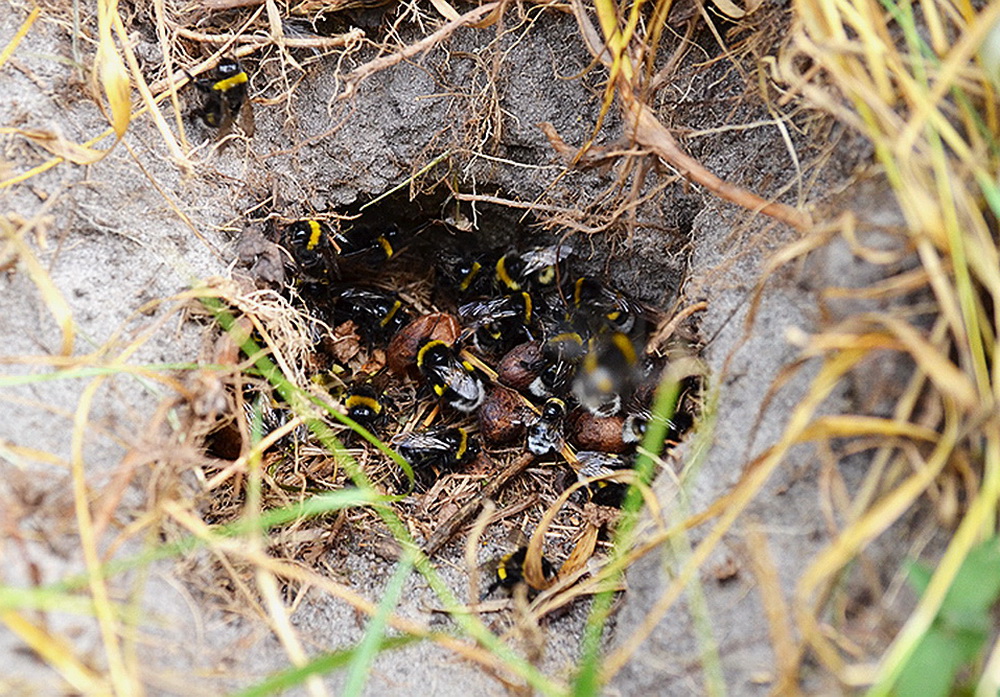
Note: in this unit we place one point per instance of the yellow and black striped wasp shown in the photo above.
(377, 314)
(310, 246)
(436, 451)
(545, 435)
(607, 374)
(365, 407)
(499, 324)
(508, 571)
(454, 380)
(534, 268)
(598, 464)
(226, 98)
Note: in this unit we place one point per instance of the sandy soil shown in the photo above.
(112, 238)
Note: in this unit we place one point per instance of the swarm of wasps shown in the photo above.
(545, 360)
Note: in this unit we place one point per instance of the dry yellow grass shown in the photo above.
(929, 110)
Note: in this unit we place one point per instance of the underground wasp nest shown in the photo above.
(460, 356)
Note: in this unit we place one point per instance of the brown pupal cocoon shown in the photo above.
(521, 366)
(502, 417)
(588, 432)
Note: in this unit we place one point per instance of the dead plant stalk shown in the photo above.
(654, 136)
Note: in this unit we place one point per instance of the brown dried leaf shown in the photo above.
(56, 144)
(346, 342)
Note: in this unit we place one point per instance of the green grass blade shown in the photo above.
(325, 663)
(368, 649)
(588, 680)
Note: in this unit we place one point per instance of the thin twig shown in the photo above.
(382, 62)
(451, 526)
(667, 330)
(346, 39)
(650, 133)
(510, 203)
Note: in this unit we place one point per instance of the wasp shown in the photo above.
(536, 267)
(553, 379)
(499, 324)
(370, 246)
(378, 315)
(437, 450)
(637, 412)
(364, 407)
(309, 243)
(606, 308)
(455, 381)
(566, 342)
(463, 274)
(606, 374)
(597, 464)
(635, 424)
(542, 265)
(518, 306)
(226, 98)
(509, 571)
(545, 435)
(562, 351)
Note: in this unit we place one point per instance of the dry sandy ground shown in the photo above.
(113, 239)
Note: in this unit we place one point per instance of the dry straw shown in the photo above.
(910, 84)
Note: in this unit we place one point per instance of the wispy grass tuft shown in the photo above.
(910, 83)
